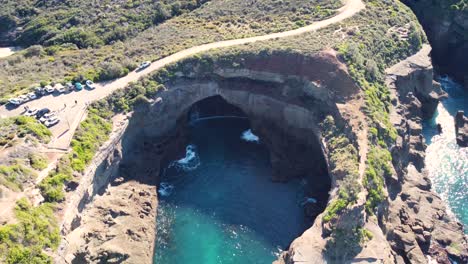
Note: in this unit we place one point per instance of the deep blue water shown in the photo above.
(218, 205)
(446, 162)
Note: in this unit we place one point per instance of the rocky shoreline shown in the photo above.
(415, 219)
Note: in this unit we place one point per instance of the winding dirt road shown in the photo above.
(71, 113)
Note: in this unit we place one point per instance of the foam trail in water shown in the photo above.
(190, 162)
(309, 200)
(249, 136)
(165, 189)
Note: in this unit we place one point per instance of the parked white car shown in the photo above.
(70, 86)
(46, 117)
(51, 121)
(90, 85)
(24, 98)
(32, 96)
(49, 89)
(30, 112)
(59, 88)
(14, 101)
(143, 65)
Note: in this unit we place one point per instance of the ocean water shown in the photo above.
(446, 162)
(218, 205)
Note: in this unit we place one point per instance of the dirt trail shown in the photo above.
(69, 111)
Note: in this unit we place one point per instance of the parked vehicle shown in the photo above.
(46, 117)
(78, 86)
(51, 121)
(90, 85)
(32, 96)
(59, 88)
(40, 91)
(70, 86)
(49, 89)
(143, 65)
(42, 112)
(14, 101)
(30, 112)
(24, 98)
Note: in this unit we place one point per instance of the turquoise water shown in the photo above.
(446, 162)
(218, 205)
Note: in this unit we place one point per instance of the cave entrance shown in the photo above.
(218, 202)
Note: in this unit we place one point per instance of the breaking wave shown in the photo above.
(190, 162)
(249, 136)
(165, 189)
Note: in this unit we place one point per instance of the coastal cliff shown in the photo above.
(446, 26)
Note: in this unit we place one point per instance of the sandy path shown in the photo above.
(70, 113)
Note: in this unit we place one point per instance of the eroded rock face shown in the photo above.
(447, 29)
(461, 129)
(414, 218)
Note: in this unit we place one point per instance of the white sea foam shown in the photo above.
(165, 189)
(249, 136)
(190, 162)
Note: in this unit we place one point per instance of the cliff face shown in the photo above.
(414, 218)
(446, 26)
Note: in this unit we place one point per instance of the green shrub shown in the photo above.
(88, 138)
(378, 168)
(37, 161)
(29, 125)
(35, 231)
(52, 187)
(334, 207)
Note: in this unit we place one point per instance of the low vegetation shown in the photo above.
(36, 230)
(20, 127)
(344, 164)
(213, 21)
(85, 23)
(377, 170)
(52, 187)
(37, 161)
(345, 245)
(15, 176)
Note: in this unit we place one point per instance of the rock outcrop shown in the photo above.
(414, 218)
(461, 129)
(446, 26)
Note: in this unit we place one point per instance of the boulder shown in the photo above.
(461, 129)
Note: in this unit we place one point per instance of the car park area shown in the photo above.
(70, 105)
